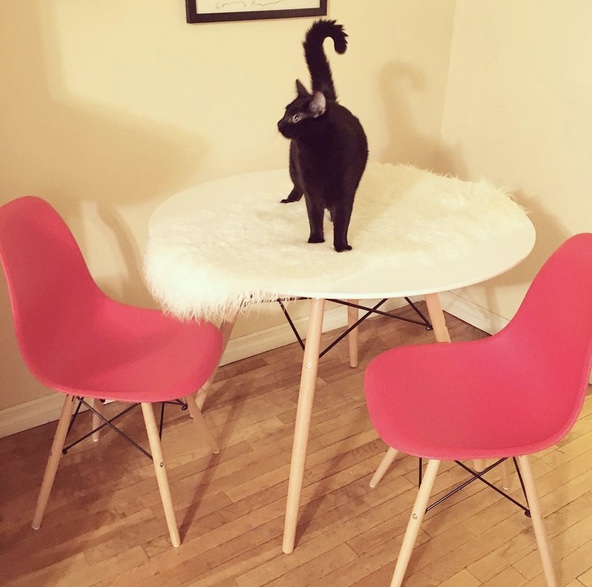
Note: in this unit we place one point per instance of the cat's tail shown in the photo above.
(320, 71)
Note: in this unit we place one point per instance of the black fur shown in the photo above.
(328, 146)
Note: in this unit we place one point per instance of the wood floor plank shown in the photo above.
(585, 578)
(461, 579)
(509, 577)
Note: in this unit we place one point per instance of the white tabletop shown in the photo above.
(413, 232)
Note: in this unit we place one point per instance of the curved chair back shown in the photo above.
(551, 333)
(45, 273)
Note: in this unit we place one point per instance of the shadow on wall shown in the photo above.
(81, 156)
(400, 85)
(545, 223)
(78, 150)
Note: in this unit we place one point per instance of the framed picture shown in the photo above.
(225, 10)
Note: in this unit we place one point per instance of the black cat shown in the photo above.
(328, 146)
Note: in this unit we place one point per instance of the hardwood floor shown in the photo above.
(105, 526)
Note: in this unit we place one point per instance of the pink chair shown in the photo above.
(77, 340)
(509, 395)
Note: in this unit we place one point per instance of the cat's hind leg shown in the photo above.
(316, 214)
(341, 216)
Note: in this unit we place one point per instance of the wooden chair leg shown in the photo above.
(505, 473)
(161, 475)
(54, 459)
(226, 327)
(201, 423)
(97, 405)
(415, 520)
(537, 520)
(387, 461)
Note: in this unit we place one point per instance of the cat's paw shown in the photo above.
(316, 239)
(341, 248)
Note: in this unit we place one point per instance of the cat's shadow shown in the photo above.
(401, 86)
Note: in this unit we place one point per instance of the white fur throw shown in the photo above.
(250, 248)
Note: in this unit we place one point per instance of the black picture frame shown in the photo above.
(249, 10)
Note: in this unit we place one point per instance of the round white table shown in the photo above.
(229, 242)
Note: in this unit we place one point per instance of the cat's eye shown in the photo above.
(295, 118)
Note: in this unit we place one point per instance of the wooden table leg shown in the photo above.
(352, 337)
(306, 393)
(437, 318)
(226, 327)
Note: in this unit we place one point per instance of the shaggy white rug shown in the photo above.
(248, 247)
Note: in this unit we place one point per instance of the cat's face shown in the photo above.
(301, 112)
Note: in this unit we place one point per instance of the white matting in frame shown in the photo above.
(228, 10)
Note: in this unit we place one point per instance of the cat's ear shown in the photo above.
(301, 90)
(318, 104)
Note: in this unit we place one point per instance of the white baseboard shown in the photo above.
(30, 414)
(471, 313)
(47, 409)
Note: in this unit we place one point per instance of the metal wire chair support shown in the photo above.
(73, 417)
(419, 471)
(480, 476)
(109, 422)
(106, 422)
(98, 428)
(526, 511)
(177, 402)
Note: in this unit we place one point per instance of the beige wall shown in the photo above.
(519, 113)
(108, 107)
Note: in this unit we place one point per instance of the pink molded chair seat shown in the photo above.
(124, 353)
(510, 395)
(77, 340)
(474, 411)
